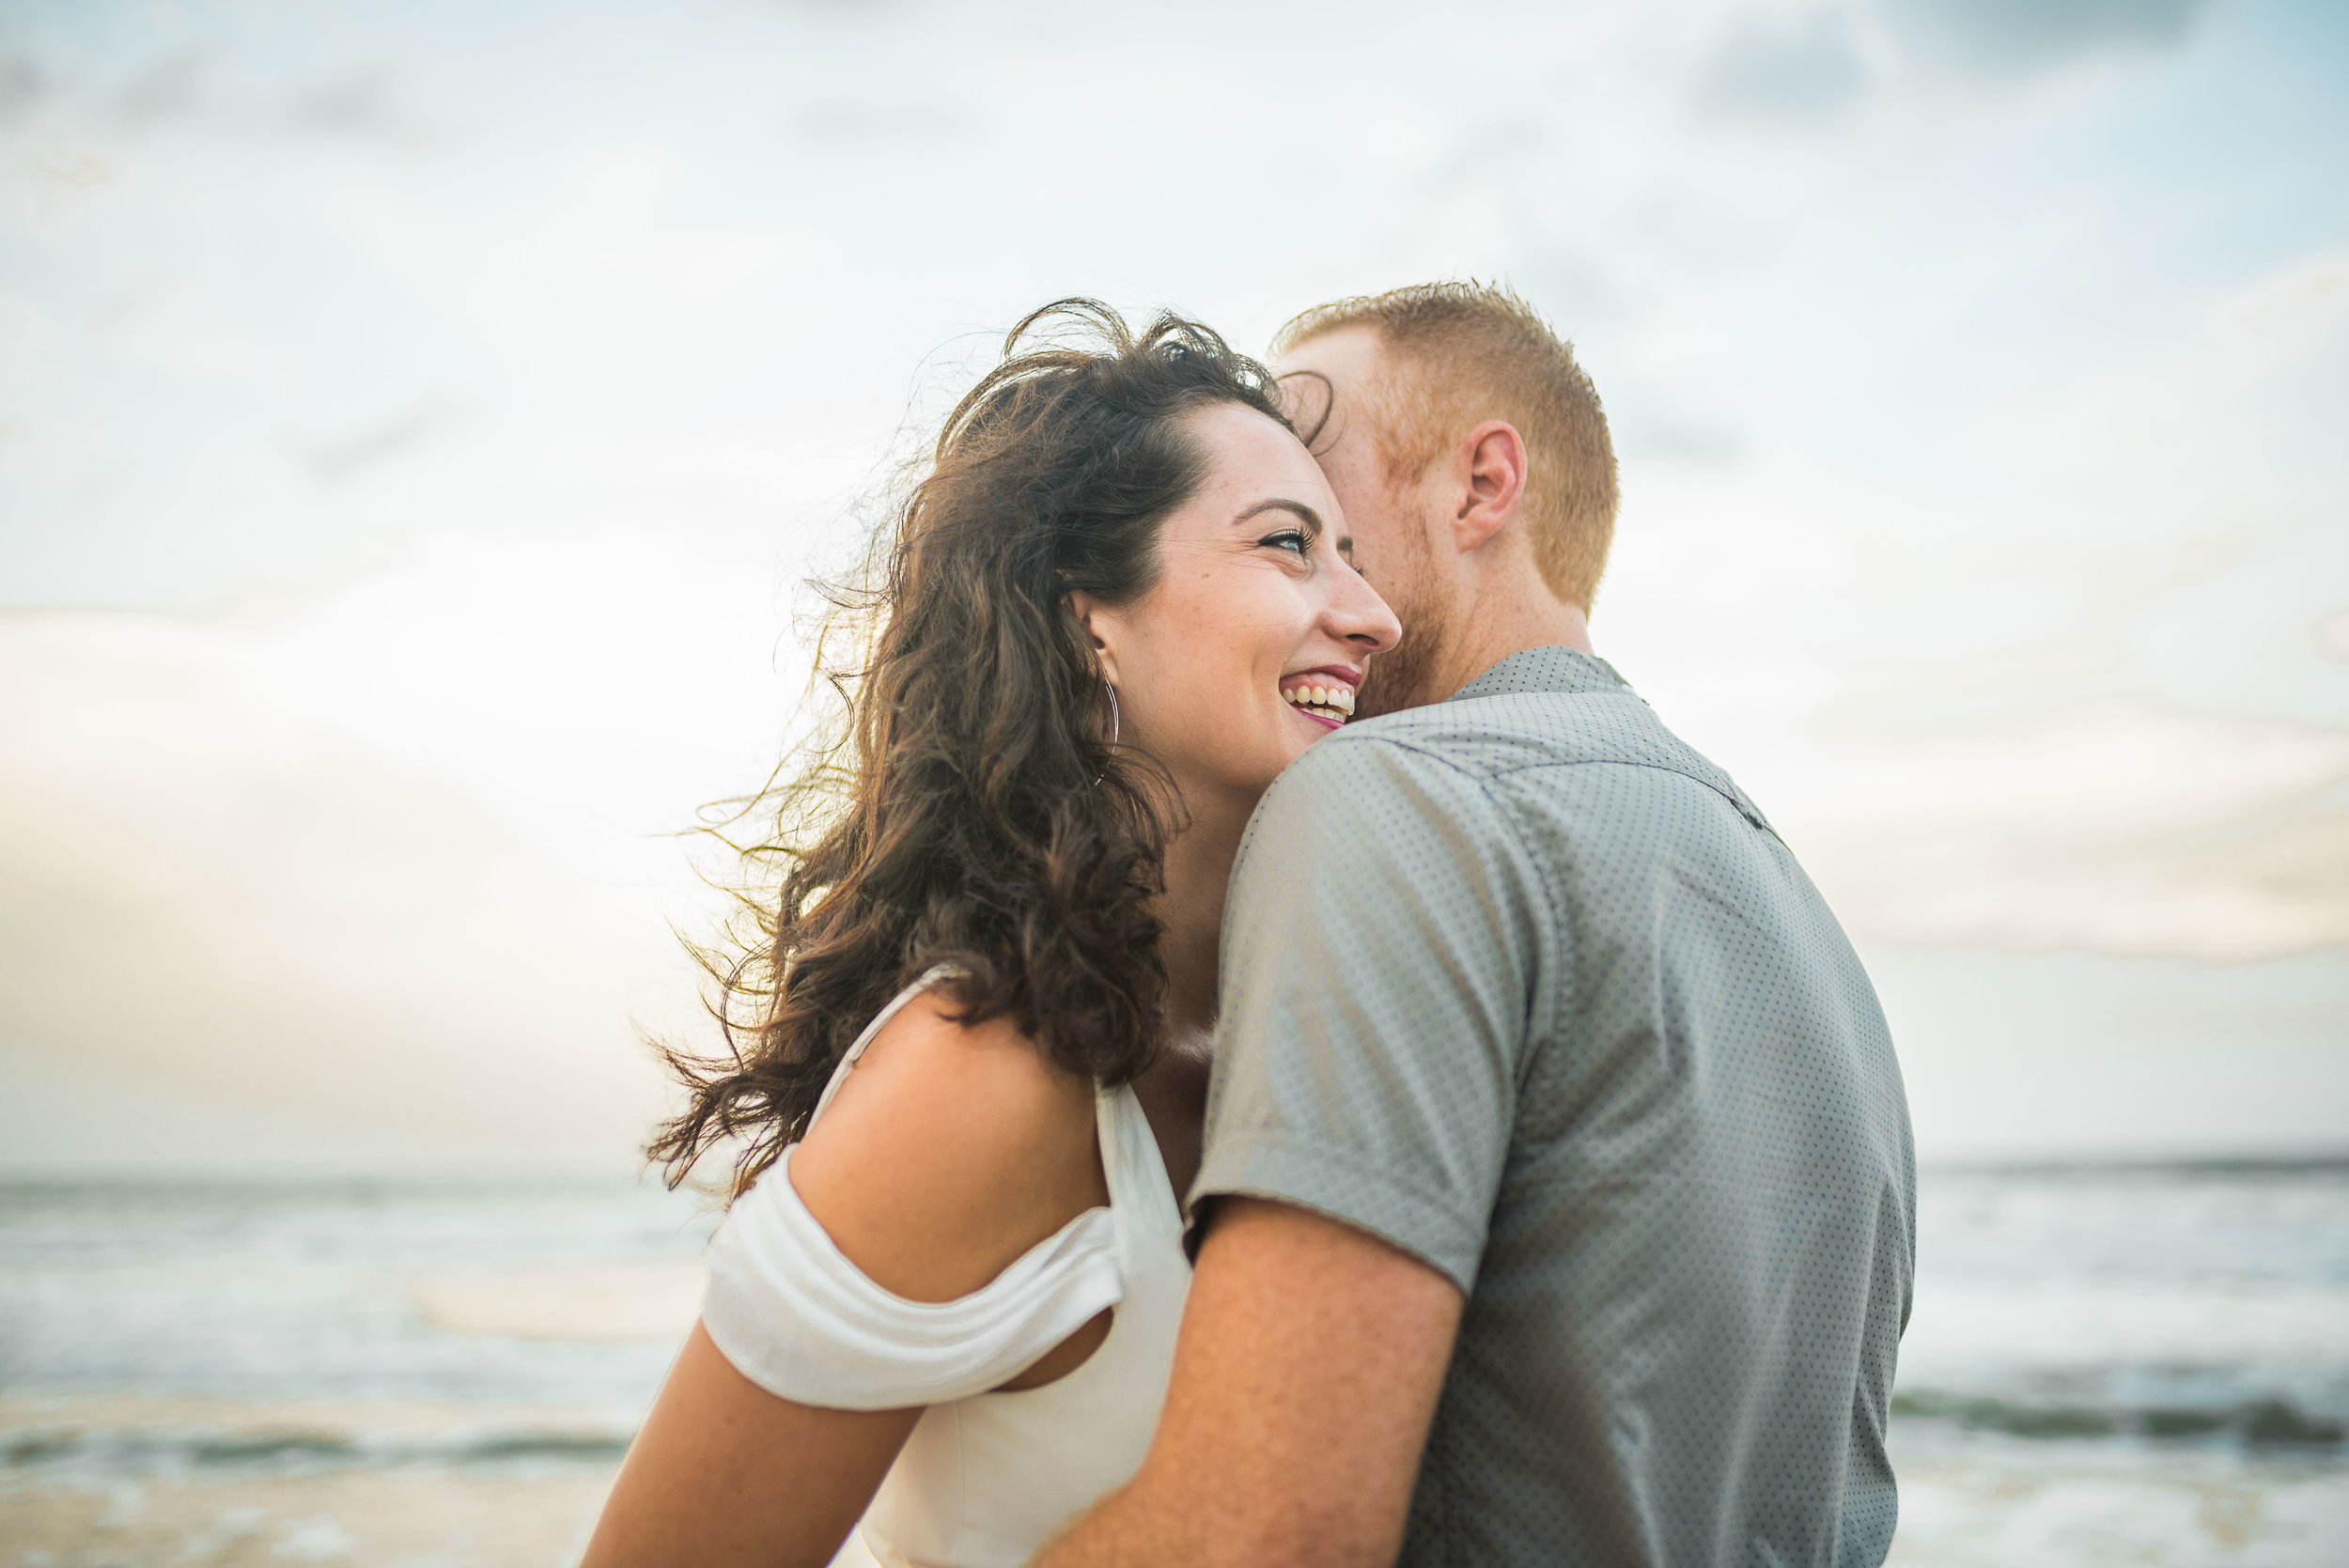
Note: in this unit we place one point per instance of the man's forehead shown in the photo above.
(1324, 381)
(1342, 355)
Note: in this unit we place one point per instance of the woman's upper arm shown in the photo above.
(948, 1152)
(726, 1475)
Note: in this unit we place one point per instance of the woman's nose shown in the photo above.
(1359, 615)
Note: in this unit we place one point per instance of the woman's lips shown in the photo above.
(1320, 695)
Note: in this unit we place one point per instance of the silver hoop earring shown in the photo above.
(1113, 730)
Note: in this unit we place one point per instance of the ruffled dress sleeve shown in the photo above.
(796, 1317)
(791, 1314)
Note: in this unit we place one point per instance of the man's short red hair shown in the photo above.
(1459, 353)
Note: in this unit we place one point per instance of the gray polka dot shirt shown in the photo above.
(1524, 986)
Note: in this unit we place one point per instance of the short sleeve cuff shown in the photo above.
(1337, 1182)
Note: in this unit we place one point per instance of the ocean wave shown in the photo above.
(142, 1449)
(2260, 1424)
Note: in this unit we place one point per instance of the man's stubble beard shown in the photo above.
(1404, 675)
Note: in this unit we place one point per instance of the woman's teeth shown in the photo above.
(1335, 701)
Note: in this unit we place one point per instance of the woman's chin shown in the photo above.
(1307, 730)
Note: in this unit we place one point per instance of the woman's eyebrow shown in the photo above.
(1305, 514)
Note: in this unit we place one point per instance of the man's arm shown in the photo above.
(1305, 1377)
(1377, 965)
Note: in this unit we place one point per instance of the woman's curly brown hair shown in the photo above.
(970, 809)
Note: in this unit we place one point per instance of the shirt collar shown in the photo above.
(1552, 669)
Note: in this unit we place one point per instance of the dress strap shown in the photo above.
(1130, 1163)
(931, 976)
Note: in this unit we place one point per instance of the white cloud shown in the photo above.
(2292, 310)
(209, 884)
(2048, 744)
(2181, 429)
(594, 289)
(2113, 825)
(1996, 39)
(595, 690)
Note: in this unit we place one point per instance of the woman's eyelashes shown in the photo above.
(1294, 539)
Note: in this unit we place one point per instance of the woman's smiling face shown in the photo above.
(1249, 644)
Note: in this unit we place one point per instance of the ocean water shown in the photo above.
(506, 1301)
(2090, 1347)
(2203, 1306)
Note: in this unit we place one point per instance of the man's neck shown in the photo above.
(1508, 619)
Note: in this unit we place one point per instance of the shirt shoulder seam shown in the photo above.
(1486, 777)
(1551, 940)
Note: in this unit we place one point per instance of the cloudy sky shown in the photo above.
(415, 421)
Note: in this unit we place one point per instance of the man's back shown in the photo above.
(1523, 984)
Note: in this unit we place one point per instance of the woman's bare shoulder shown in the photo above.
(950, 1150)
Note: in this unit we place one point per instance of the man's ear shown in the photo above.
(1489, 464)
(1099, 624)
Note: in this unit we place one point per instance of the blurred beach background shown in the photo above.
(416, 420)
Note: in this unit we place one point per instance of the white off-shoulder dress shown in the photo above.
(985, 1478)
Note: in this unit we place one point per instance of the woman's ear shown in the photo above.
(1099, 625)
